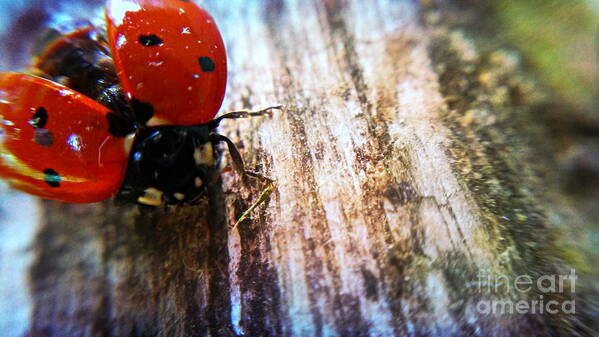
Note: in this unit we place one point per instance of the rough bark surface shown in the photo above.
(404, 167)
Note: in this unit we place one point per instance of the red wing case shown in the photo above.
(55, 143)
(170, 58)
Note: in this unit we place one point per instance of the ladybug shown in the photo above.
(126, 111)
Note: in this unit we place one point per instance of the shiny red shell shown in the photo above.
(170, 54)
(55, 142)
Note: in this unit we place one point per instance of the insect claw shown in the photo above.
(263, 198)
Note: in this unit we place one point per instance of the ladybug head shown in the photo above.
(171, 164)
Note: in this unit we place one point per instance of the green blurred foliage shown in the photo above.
(559, 39)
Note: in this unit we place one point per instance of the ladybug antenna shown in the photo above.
(245, 114)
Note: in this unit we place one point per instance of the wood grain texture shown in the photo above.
(404, 164)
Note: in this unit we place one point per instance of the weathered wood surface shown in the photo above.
(404, 166)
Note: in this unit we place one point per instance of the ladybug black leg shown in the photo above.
(245, 114)
(239, 166)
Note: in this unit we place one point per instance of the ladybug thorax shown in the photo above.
(170, 164)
